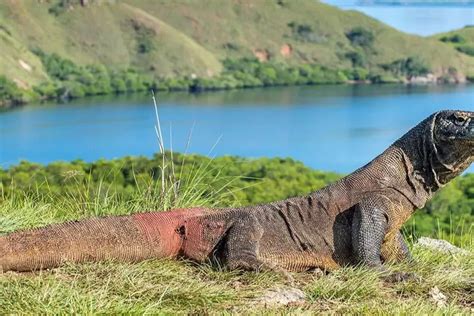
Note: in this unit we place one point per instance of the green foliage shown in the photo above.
(357, 74)
(61, 6)
(455, 38)
(466, 49)
(9, 92)
(357, 58)
(360, 36)
(450, 212)
(305, 33)
(411, 66)
(144, 37)
(73, 81)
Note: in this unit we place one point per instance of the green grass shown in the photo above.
(462, 40)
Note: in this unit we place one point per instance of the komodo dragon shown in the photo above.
(355, 220)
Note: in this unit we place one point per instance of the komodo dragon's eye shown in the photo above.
(459, 120)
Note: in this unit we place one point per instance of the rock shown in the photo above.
(261, 54)
(438, 297)
(24, 65)
(281, 297)
(429, 78)
(440, 245)
(286, 50)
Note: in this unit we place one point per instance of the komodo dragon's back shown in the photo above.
(354, 220)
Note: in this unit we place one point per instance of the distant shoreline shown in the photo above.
(408, 3)
(4, 107)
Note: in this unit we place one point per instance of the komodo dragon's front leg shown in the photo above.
(370, 241)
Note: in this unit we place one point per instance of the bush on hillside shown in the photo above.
(466, 49)
(456, 38)
(10, 93)
(361, 37)
(411, 67)
(357, 59)
(305, 33)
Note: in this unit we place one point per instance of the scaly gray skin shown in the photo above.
(355, 220)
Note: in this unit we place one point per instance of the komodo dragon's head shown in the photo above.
(453, 138)
(441, 147)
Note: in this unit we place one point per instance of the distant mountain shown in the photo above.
(170, 38)
(417, 2)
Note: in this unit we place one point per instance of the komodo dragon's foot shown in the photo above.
(290, 281)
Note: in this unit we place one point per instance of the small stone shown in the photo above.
(317, 273)
(282, 297)
(438, 297)
(440, 245)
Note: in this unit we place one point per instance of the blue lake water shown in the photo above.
(422, 19)
(335, 128)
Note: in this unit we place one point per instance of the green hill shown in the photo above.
(178, 39)
(462, 40)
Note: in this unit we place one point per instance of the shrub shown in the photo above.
(360, 36)
(411, 66)
(456, 38)
(305, 33)
(144, 37)
(357, 58)
(466, 49)
(9, 92)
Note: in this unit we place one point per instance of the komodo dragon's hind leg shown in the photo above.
(242, 247)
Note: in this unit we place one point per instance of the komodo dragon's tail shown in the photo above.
(125, 238)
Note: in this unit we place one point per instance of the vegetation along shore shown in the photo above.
(47, 51)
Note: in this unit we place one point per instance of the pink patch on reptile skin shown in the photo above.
(201, 238)
(165, 230)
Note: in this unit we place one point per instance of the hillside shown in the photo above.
(165, 39)
(462, 40)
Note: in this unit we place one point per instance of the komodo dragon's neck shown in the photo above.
(392, 170)
(414, 166)
(407, 167)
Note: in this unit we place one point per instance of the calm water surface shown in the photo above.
(421, 20)
(335, 128)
